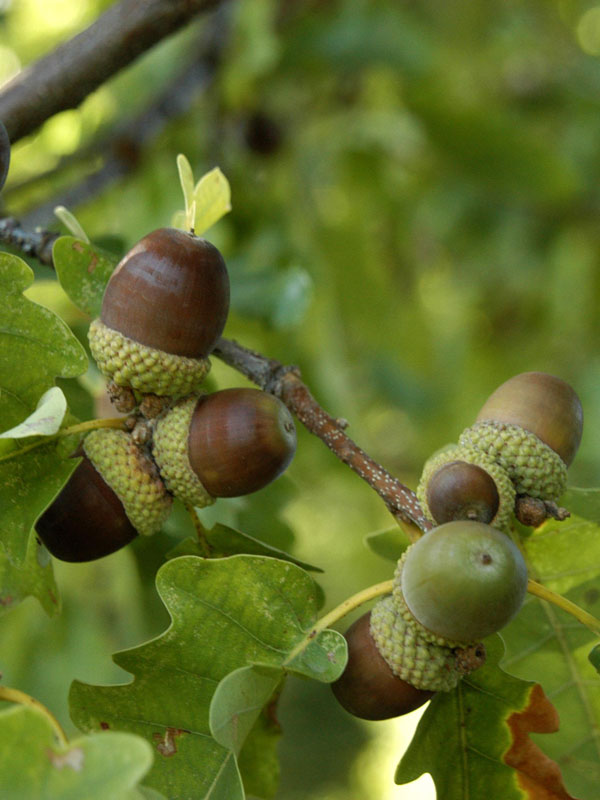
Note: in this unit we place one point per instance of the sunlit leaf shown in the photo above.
(34, 765)
(72, 224)
(227, 615)
(212, 197)
(45, 420)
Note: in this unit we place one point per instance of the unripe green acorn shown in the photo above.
(542, 404)
(163, 310)
(463, 581)
(4, 154)
(368, 688)
(113, 494)
(226, 444)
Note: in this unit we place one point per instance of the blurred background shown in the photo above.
(416, 218)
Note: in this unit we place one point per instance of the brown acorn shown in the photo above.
(113, 494)
(460, 490)
(163, 310)
(226, 444)
(542, 404)
(368, 688)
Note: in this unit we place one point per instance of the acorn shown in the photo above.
(113, 495)
(226, 444)
(368, 688)
(4, 154)
(461, 582)
(531, 426)
(542, 404)
(163, 310)
(464, 483)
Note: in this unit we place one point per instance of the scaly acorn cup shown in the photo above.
(226, 444)
(163, 310)
(113, 494)
(368, 688)
(462, 482)
(460, 582)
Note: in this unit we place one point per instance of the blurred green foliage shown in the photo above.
(416, 207)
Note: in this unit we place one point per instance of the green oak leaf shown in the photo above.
(250, 614)
(584, 503)
(29, 482)
(34, 766)
(472, 727)
(389, 543)
(547, 644)
(258, 761)
(35, 345)
(83, 270)
(226, 541)
(594, 657)
(34, 577)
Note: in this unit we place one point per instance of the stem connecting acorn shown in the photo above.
(163, 310)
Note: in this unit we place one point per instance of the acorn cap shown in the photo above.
(428, 666)
(170, 451)
(150, 371)
(542, 404)
(170, 293)
(453, 493)
(132, 476)
(534, 468)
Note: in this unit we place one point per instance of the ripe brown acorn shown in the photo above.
(113, 494)
(163, 310)
(226, 444)
(460, 490)
(87, 520)
(542, 404)
(368, 688)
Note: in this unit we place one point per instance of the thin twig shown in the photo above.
(285, 383)
(66, 76)
(122, 150)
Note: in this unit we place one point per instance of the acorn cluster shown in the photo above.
(163, 310)
(459, 583)
(523, 440)
(466, 578)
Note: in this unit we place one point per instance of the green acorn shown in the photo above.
(460, 582)
(163, 310)
(113, 494)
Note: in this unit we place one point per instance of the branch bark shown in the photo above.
(285, 382)
(65, 77)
